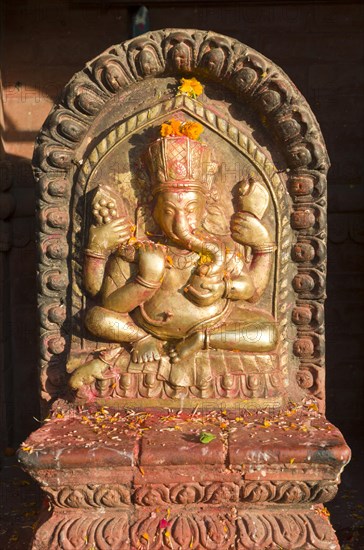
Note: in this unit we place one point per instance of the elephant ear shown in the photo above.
(215, 221)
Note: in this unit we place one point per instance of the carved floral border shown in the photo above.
(192, 493)
(223, 529)
(280, 107)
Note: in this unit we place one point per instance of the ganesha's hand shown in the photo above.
(152, 261)
(205, 291)
(108, 237)
(247, 229)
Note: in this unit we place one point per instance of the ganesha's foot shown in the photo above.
(87, 374)
(146, 349)
(188, 347)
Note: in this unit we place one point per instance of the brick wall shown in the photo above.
(319, 45)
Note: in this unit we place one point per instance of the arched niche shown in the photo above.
(249, 104)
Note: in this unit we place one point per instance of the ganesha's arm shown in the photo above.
(239, 288)
(130, 296)
(93, 273)
(102, 240)
(259, 272)
(151, 271)
(250, 286)
(248, 283)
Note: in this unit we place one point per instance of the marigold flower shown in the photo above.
(171, 128)
(166, 129)
(191, 87)
(174, 127)
(193, 130)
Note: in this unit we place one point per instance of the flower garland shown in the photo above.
(174, 128)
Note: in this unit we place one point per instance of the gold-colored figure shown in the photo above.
(165, 301)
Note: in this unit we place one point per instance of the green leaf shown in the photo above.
(206, 437)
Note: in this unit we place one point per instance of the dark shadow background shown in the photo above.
(318, 44)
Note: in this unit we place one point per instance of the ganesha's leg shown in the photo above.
(120, 328)
(188, 346)
(235, 336)
(245, 330)
(257, 335)
(112, 326)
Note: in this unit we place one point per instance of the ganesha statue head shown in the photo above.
(181, 173)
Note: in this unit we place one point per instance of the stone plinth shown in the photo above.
(144, 479)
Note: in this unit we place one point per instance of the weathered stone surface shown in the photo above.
(295, 439)
(157, 480)
(180, 447)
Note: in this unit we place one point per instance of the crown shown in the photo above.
(180, 163)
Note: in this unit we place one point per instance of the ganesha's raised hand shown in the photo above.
(248, 230)
(152, 261)
(204, 290)
(108, 237)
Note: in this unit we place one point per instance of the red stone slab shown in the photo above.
(181, 446)
(291, 438)
(71, 442)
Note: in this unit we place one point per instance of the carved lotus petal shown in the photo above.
(300, 156)
(59, 158)
(89, 102)
(322, 492)
(270, 100)
(58, 187)
(245, 78)
(254, 528)
(295, 493)
(114, 532)
(149, 525)
(291, 530)
(211, 532)
(71, 129)
(114, 76)
(147, 62)
(213, 61)
(184, 530)
(74, 533)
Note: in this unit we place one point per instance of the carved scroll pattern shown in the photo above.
(280, 492)
(213, 493)
(253, 78)
(91, 496)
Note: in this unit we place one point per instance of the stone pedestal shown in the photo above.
(126, 480)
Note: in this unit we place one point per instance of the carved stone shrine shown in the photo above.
(182, 225)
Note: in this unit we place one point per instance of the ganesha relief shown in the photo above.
(179, 305)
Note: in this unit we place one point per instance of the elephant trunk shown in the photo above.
(203, 246)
